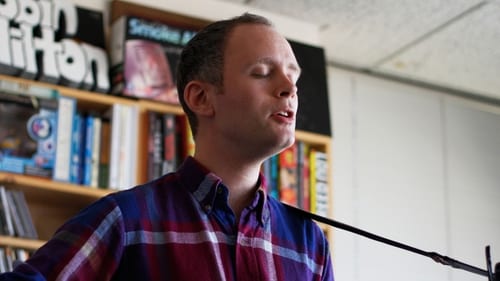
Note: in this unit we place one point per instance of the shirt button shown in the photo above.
(207, 207)
(219, 190)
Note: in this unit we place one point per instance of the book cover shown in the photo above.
(144, 57)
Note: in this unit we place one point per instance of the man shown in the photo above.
(210, 220)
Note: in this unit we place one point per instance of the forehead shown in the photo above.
(257, 41)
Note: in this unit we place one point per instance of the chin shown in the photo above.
(286, 144)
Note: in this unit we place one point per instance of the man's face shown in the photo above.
(258, 104)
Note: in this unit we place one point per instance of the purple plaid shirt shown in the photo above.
(180, 227)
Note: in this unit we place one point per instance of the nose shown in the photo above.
(288, 88)
(292, 92)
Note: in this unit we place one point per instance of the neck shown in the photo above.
(240, 175)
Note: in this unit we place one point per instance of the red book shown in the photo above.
(288, 176)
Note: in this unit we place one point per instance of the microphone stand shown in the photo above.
(433, 255)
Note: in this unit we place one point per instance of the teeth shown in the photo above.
(283, 113)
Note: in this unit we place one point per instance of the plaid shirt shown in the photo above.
(180, 227)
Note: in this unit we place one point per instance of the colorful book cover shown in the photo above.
(144, 57)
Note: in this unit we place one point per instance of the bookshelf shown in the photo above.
(51, 203)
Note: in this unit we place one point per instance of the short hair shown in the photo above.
(203, 57)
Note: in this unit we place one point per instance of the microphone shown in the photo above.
(433, 255)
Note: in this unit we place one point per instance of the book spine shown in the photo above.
(322, 188)
(155, 146)
(76, 146)
(288, 186)
(169, 158)
(312, 180)
(5, 214)
(114, 159)
(65, 115)
(274, 181)
(96, 148)
(104, 158)
(186, 141)
(303, 175)
(15, 211)
(89, 143)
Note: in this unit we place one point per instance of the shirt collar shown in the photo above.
(203, 185)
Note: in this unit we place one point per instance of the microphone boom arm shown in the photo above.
(433, 255)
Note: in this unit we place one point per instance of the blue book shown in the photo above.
(88, 150)
(77, 141)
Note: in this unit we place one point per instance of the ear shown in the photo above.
(196, 96)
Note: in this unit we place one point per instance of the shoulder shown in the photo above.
(287, 220)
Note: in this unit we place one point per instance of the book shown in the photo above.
(104, 158)
(92, 149)
(319, 188)
(7, 226)
(270, 172)
(303, 176)
(22, 220)
(77, 149)
(185, 142)
(19, 228)
(65, 114)
(155, 145)
(170, 151)
(123, 152)
(288, 175)
(144, 57)
(115, 143)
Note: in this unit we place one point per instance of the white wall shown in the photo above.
(416, 166)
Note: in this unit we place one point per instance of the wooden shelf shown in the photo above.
(45, 188)
(16, 242)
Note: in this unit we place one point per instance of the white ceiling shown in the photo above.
(450, 44)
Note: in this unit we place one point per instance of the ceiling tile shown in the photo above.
(464, 55)
(362, 33)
